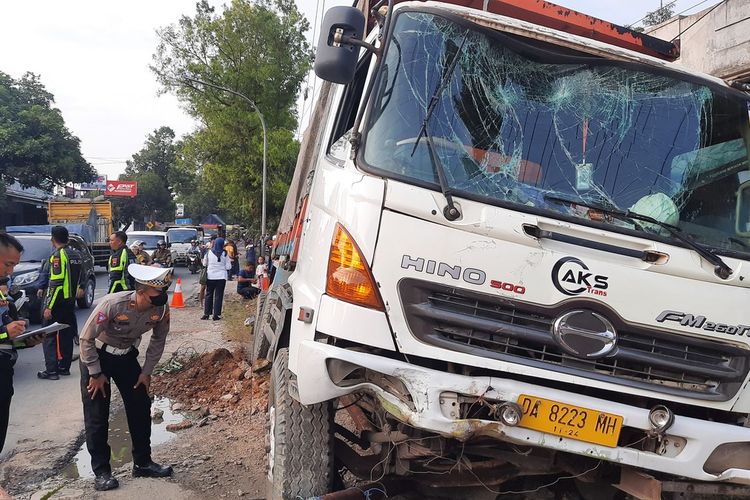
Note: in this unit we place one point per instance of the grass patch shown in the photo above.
(50, 494)
(236, 311)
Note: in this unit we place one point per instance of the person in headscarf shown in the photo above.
(217, 264)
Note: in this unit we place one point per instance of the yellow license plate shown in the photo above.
(570, 421)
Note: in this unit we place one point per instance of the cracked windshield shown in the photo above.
(515, 121)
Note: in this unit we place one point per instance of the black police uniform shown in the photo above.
(119, 279)
(8, 357)
(108, 347)
(65, 266)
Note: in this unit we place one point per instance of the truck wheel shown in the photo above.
(300, 451)
(87, 300)
(261, 344)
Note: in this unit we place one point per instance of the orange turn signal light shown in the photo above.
(349, 277)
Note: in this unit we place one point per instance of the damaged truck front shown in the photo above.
(510, 254)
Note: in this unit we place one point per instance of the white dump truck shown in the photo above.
(515, 249)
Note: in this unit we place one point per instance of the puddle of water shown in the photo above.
(119, 440)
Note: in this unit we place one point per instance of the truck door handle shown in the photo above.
(650, 256)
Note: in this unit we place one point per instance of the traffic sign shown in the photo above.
(180, 210)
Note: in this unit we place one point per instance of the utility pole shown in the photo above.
(265, 142)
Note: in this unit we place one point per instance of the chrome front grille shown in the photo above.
(518, 332)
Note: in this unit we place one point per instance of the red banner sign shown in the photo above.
(122, 188)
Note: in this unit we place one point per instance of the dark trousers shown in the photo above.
(248, 292)
(6, 394)
(58, 347)
(214, 297)
(235, 270)
(117, 287)
(124, 371)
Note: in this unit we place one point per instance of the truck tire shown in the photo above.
(300, 451)
(261, 345)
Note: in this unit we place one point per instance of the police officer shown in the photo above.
(119, 260)
(10, 254)
(108, 351)
(60, 305)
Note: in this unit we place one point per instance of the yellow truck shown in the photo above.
(97, 214)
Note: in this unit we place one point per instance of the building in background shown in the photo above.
(715, 41)
(24, 206)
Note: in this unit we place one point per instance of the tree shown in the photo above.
(658, 16)
(155, 170)
(36, 148)
(259, 50)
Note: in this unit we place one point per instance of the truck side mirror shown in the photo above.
(336, 57)
(742, 222)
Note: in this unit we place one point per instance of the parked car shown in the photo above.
(150, 238)
(28, 273)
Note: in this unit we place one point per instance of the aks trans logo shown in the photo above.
(572, 277)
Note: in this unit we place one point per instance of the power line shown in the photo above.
(649, 13)
(673, 2)
(697, 20)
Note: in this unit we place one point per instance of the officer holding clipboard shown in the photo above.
(11, 328)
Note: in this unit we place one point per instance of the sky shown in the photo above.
(93, 56)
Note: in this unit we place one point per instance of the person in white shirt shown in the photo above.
(217, 264)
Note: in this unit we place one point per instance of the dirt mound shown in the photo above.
(215, 382)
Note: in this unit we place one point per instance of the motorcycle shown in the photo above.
(194, 262)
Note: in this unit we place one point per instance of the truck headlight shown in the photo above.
(510, 413)
(26, 278)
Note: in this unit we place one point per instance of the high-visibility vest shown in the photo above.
(62, 274)
(122, 263)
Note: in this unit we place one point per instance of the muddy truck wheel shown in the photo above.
(261, 344)
(300, 442)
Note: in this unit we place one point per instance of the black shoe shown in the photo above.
(65, 373)
(48, 375)
(216, 318)
(151, 469)
(104, 482)
(205, 316)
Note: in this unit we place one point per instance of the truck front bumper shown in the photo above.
(698, 439)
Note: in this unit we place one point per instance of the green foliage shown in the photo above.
(259, 50)
(155, 169)
(660, 15)
(36, 148)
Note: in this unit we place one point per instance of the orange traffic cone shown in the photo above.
(177, 301)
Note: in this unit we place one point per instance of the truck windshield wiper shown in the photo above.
(721, 269)
(450, 211)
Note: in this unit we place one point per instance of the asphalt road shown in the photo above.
(50, 410)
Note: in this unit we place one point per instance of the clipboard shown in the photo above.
(54, 327)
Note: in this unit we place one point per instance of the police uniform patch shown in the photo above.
(122, 317)
(101, 318)
(56, 264)
(114, 261)
(155, 317)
